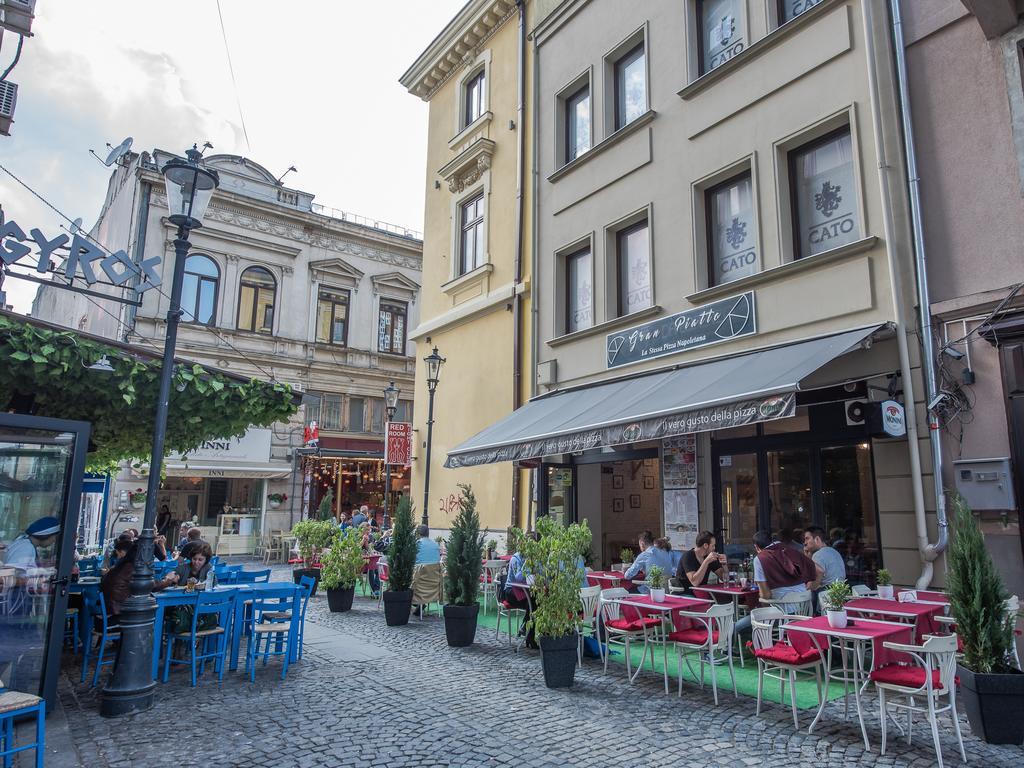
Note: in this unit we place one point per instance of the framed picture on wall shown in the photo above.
(618, 504)
(617, 482)
(634, 501)
(649, 482)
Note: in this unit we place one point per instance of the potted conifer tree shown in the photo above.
(341, 566)
(991, 686)
(401, 560)
(556, 562)
(463, 564)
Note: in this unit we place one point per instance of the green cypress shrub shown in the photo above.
(463, 560)
(402, 552)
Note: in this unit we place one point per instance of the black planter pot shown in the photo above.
(994, 705)
(339, 600)
(397, 606)
(314, 573)
(558, 658)
(460, 624)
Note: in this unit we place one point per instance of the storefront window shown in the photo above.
(848, 501)
(789, 493)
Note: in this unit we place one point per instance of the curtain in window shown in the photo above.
(722, 31)
(733, 237)
(826, 195)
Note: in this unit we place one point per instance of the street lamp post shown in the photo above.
(130, 688)
(434, 362)
(391, 393)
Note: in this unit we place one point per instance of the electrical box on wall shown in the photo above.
(985, 483)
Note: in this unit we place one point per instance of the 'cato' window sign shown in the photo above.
(83, 259)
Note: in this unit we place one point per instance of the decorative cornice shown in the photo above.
(395, 283)
(466, 168)
(457, 46)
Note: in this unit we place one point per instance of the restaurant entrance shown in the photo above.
(783, 476)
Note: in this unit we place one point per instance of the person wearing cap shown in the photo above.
(23, 552)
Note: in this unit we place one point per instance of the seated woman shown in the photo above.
(196, 567)
(653, 552)
(119, 549)
(116, 583)
(516, 597)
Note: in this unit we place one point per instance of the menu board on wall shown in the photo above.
(681, 517)
(679, 461)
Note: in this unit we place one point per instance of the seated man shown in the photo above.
(779, 570)
(427, 551)
(697, 564)
(652, 553)
(829, 564)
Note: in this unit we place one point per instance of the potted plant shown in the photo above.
(340, 568)
(462, 572)
(834, 599)
(401, 560)
(312, 536)
(626, 555)
(556, 617)
(884, 581)
(276, 499)
(656, 580)
(492, 549)
(992, 688)
(137, 498)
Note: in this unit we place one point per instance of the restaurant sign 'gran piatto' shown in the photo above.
(712, 323)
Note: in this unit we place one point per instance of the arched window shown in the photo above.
(199, 290)
(256, 301)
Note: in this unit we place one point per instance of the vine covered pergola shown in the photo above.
(45, 371)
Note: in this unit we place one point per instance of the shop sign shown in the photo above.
(398, 445)
(735, 414)
(253, 446)
(894, 419)
(81, 261)
(719, 321)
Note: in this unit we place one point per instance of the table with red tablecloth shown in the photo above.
(920, 615)
(370, 562)
(925, 595)
(748, 596)
(607, 579)
(635, 606)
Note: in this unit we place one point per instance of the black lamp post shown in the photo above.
(130, 688)
(434, 362)
(391, 393)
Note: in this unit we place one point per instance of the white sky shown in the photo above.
(317, 80)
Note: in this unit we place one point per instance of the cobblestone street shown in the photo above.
(369, 695)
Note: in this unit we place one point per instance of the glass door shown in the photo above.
(739, 500)
(789, 493)
(41, 465)
(560, 497)
(850, 514)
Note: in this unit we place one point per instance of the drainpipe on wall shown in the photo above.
(534, 270)
(923, 297)
(927, 553)
(517, 357)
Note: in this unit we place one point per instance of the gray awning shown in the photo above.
(718, 394)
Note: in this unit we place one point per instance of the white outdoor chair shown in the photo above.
(780, 660)
(489, 580)
(714, 635)
(863, 590)
(588, 601)
(1012, 607)
(798, 603)
(382, 576)
(508, 611)
(622, 631)
(932, 678)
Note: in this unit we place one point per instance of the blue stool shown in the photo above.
(14, 704)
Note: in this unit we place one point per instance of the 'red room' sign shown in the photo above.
(398, 444)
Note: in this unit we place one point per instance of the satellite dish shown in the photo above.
(118, 152)
(76, 226)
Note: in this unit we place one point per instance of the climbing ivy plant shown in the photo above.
(50, 368)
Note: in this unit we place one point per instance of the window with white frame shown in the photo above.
(630, 73)
(577, 123)
(332, 316)
(330, 412)
(731, 234)
(579, 302)
(473, 98)
(471, 235)
(377, 415)
(356, 414)
(823, 187)
(633, 268)
(256, 300)
(391, 327)
(721, 32)
(790, 9)
(199, 290)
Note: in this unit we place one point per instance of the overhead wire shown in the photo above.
(234, 83)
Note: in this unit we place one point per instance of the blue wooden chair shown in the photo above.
(71, 628)
(217, 604)
(102, 632)
(15, 705)
(268, 625)
(252, 577)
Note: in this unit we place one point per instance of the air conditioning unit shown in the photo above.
(8, 99)
(18, 15)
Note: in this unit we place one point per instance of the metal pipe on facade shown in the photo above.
(896, 285)
(517, 310)
(923, 297)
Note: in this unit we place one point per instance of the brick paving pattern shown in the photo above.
(424, 704)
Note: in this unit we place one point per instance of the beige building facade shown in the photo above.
(716, 246)
(476, 293)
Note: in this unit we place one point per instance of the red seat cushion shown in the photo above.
(633, 625)
(902, 674)
(697, 636)
(783, 653)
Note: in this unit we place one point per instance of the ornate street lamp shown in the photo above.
(130, 688)
(391, 393)
(434, 362)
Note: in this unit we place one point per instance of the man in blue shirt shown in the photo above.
(427, 551)
(360, 517)
(651, 554)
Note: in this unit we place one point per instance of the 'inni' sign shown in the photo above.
(699, 327)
